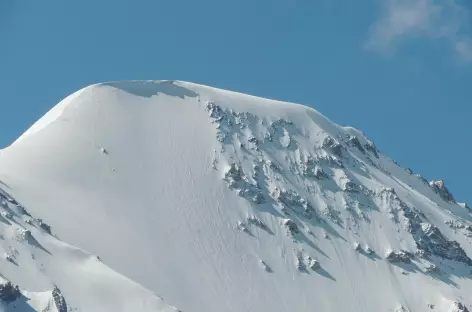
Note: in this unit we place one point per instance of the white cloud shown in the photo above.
(464, 49)
(436, 19)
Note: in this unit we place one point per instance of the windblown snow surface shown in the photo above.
(129, 192)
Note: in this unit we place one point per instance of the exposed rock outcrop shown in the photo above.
(440, 188)
(370, 146)
(432, 242)
(59, 300)
(238, 181)
(399, 256)
(290, 226)
(291, 199)
(354, 142)
(333, 146)
(458, 306)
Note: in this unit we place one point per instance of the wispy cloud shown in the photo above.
(401, 20)
(464, 49)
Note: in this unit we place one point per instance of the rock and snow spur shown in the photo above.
(40, 273)
(219, 201)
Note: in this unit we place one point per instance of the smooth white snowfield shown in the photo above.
(219, 201)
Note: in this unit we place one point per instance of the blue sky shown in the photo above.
(400, 70)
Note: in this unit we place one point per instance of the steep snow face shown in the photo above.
(219, 201)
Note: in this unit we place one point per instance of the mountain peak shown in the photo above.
(205, 196)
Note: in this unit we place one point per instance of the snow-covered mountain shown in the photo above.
(129, 192)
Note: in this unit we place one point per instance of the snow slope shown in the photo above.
(219, 201)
